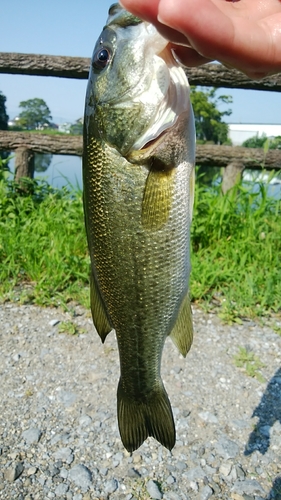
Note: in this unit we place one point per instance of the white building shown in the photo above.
(239, 132)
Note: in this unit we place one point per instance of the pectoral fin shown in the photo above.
(182, 333)
(98, 311)
(157, 199)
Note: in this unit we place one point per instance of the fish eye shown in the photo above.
(101, 58)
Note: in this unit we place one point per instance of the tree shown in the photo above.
(208, 118)
(260, 142)
(35, 114)
(3, 125)
(3, 114)
(77, 127)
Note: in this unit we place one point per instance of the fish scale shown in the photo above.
(138, 214)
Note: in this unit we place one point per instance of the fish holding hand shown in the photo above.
(138, 175)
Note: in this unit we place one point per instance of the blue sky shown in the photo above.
(60, 27)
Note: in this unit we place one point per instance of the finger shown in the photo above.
(145, 9)
(250, 45)
(187, 56)
(206, 26)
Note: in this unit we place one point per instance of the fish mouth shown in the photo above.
(174, 103)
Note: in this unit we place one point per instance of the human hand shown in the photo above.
(244, 34)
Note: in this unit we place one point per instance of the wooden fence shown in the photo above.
(233, 159)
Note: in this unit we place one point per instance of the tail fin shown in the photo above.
(150, 417)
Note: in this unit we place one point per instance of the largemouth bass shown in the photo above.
(138, 174)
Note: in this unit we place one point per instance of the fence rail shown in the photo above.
(210, 75)
(234, 158)
(206, 155)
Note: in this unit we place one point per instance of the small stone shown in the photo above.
(208, 417)
(153, 490)
(137, 458)
(53, 471)
(87, 496)
(171, 495)
(110, 486)
(170, 480)
(68, 398)
(13, 472)
(65, 455)
(61, 489)
(240, 472)
(54, 322)
(195, 473)
(193, 485)
(32, 435)
(133, 473)
(225, 469)
(248, 487)
(63, 473)
(31, 471)
(85, 420)
(103, 471)
(227, 448)
(81, 476)
(206, 493)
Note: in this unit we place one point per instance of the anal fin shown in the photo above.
(182, 333)
(99, 315)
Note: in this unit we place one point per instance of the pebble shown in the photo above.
(65, 455)
(32, 435)
(61, 490)
(225, 468)
(248, 487)
(60, 435)
(13, 472)
(81, 476)
(54, 322)
(153, 490)
(206, 493)
(227, 448)
(110, 486)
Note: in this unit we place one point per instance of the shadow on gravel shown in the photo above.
(275, 492)
(268, 412)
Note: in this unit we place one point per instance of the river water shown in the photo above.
(67, 170)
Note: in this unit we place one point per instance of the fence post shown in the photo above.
(232, 174)
(24, 163)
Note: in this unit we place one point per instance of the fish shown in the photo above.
(138, 185)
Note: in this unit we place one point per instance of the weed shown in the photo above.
(28, 393)
(68, 327)
(277, 329)
(250, 363)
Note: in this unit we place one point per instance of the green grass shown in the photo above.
(250, 363)
(236, 242)
(43, 252)
(69, 328)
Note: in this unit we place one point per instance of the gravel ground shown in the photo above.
(58, 426)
